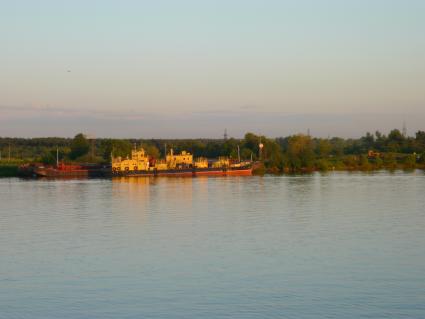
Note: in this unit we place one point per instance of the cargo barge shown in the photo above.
(141, 164)
(183, 164)
(62, 170)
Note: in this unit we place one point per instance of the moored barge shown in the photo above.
(67, 170)
(183, 164)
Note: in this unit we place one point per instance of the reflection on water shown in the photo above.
(321, 245)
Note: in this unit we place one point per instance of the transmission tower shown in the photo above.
(404, 131)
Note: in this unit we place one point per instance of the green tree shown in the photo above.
(272, 155)
(323, 148)
(395, 141)
(395, 135)
(300, 152)
(420, 142)
(152, 150)
(380, 141)
(251, 142)
(338, 145)
(79, 146)
(229, 148)
(368, 142)
(115, 147)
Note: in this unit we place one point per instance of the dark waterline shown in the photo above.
(335, 245)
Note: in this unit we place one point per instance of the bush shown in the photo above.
(390, 161)
(364, 163)
(259, 169)
(323, 165)
(350, 161)
(409, 161)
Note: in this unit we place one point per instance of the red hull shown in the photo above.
(245, 172)
(187, 173)
(64, 170)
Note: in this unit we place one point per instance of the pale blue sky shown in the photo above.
(69, 66)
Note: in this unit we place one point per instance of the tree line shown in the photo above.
(284, 154)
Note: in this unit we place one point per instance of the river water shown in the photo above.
(336, 245)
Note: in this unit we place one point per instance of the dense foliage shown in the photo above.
(285, 154)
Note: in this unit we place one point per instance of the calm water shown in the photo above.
(338, 245)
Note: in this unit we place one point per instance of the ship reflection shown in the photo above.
(152, 197)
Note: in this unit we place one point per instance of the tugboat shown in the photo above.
(183, 164)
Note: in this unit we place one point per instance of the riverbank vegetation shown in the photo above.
(295, 153)
(9, 168)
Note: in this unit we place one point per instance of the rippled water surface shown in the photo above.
(337, 245)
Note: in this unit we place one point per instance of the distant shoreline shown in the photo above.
(299, 153)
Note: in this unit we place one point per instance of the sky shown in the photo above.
(186, 69)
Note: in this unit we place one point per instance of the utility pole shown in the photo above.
(260, 149)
